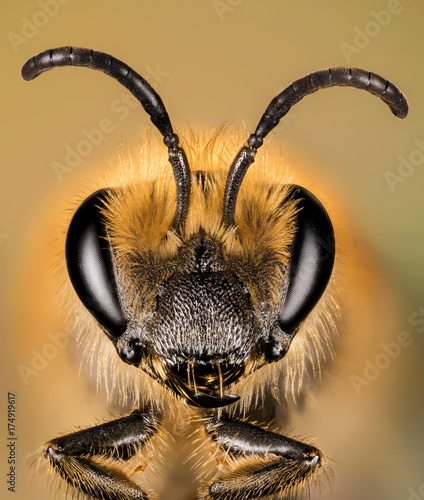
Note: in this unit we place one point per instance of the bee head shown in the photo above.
(203, 316)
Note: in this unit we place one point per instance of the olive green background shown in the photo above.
(216, 62)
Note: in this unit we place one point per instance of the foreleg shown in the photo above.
(90, 459)
(261, 463)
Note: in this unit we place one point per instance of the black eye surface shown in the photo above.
(89, 261)
(312, 260)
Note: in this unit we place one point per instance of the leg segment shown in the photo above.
(89, 459)
(263, 463)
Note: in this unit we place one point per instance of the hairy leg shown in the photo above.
(262, 463)
(89, 459)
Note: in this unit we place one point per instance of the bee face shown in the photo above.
(201, 309)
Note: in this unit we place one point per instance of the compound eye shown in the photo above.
(89, 260)
(312, 260)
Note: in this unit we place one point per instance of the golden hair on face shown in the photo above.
(193, 291)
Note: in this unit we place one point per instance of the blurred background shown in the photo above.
(215, 62)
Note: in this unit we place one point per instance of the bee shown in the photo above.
(193, 291)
